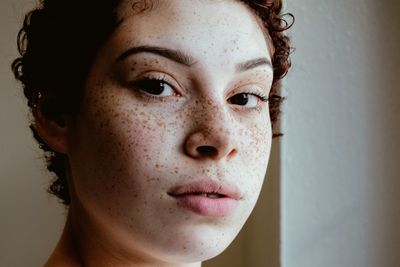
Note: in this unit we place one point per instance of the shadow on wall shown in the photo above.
(384, 117)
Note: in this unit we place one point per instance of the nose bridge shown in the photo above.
(213, 116)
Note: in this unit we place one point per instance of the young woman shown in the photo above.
(156, 117)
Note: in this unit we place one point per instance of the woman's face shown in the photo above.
(170, 149)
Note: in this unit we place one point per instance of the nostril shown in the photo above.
(232, 153)
(207, 151)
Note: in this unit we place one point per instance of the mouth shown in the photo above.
(207, 197)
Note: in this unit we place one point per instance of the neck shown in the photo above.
(81, 246)
(65, 254)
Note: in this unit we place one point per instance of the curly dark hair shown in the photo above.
(60, 39)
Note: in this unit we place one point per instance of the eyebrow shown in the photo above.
(187, 60)
(173, 55)
(253, 63)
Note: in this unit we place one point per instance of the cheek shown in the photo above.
(256, 145)
(123, 145)
(256, 140)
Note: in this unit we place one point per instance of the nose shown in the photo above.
(214, 135)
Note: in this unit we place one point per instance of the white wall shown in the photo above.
(341, 149)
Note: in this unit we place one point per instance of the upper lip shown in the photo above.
(207, 186)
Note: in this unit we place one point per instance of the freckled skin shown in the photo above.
(127, 150)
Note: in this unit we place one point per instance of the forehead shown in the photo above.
(198, 27)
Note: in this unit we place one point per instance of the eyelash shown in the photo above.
(163, 79)
(152, 78)
(262, 97)
(256, 93)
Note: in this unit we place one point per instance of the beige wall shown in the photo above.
(30, 221)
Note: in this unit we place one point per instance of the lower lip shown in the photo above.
(205, 206)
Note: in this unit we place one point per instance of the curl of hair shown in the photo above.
(59, 41)
(275, 24)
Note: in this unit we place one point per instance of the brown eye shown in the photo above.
(240, 99)
(248, 100)
(155, 87)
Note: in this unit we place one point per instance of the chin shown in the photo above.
(201, 245)
(187, 255)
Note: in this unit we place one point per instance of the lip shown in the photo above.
(193, 196)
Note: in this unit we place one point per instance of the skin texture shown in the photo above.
(127, 148)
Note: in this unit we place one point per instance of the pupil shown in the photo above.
(154, 87)
(240, 99)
